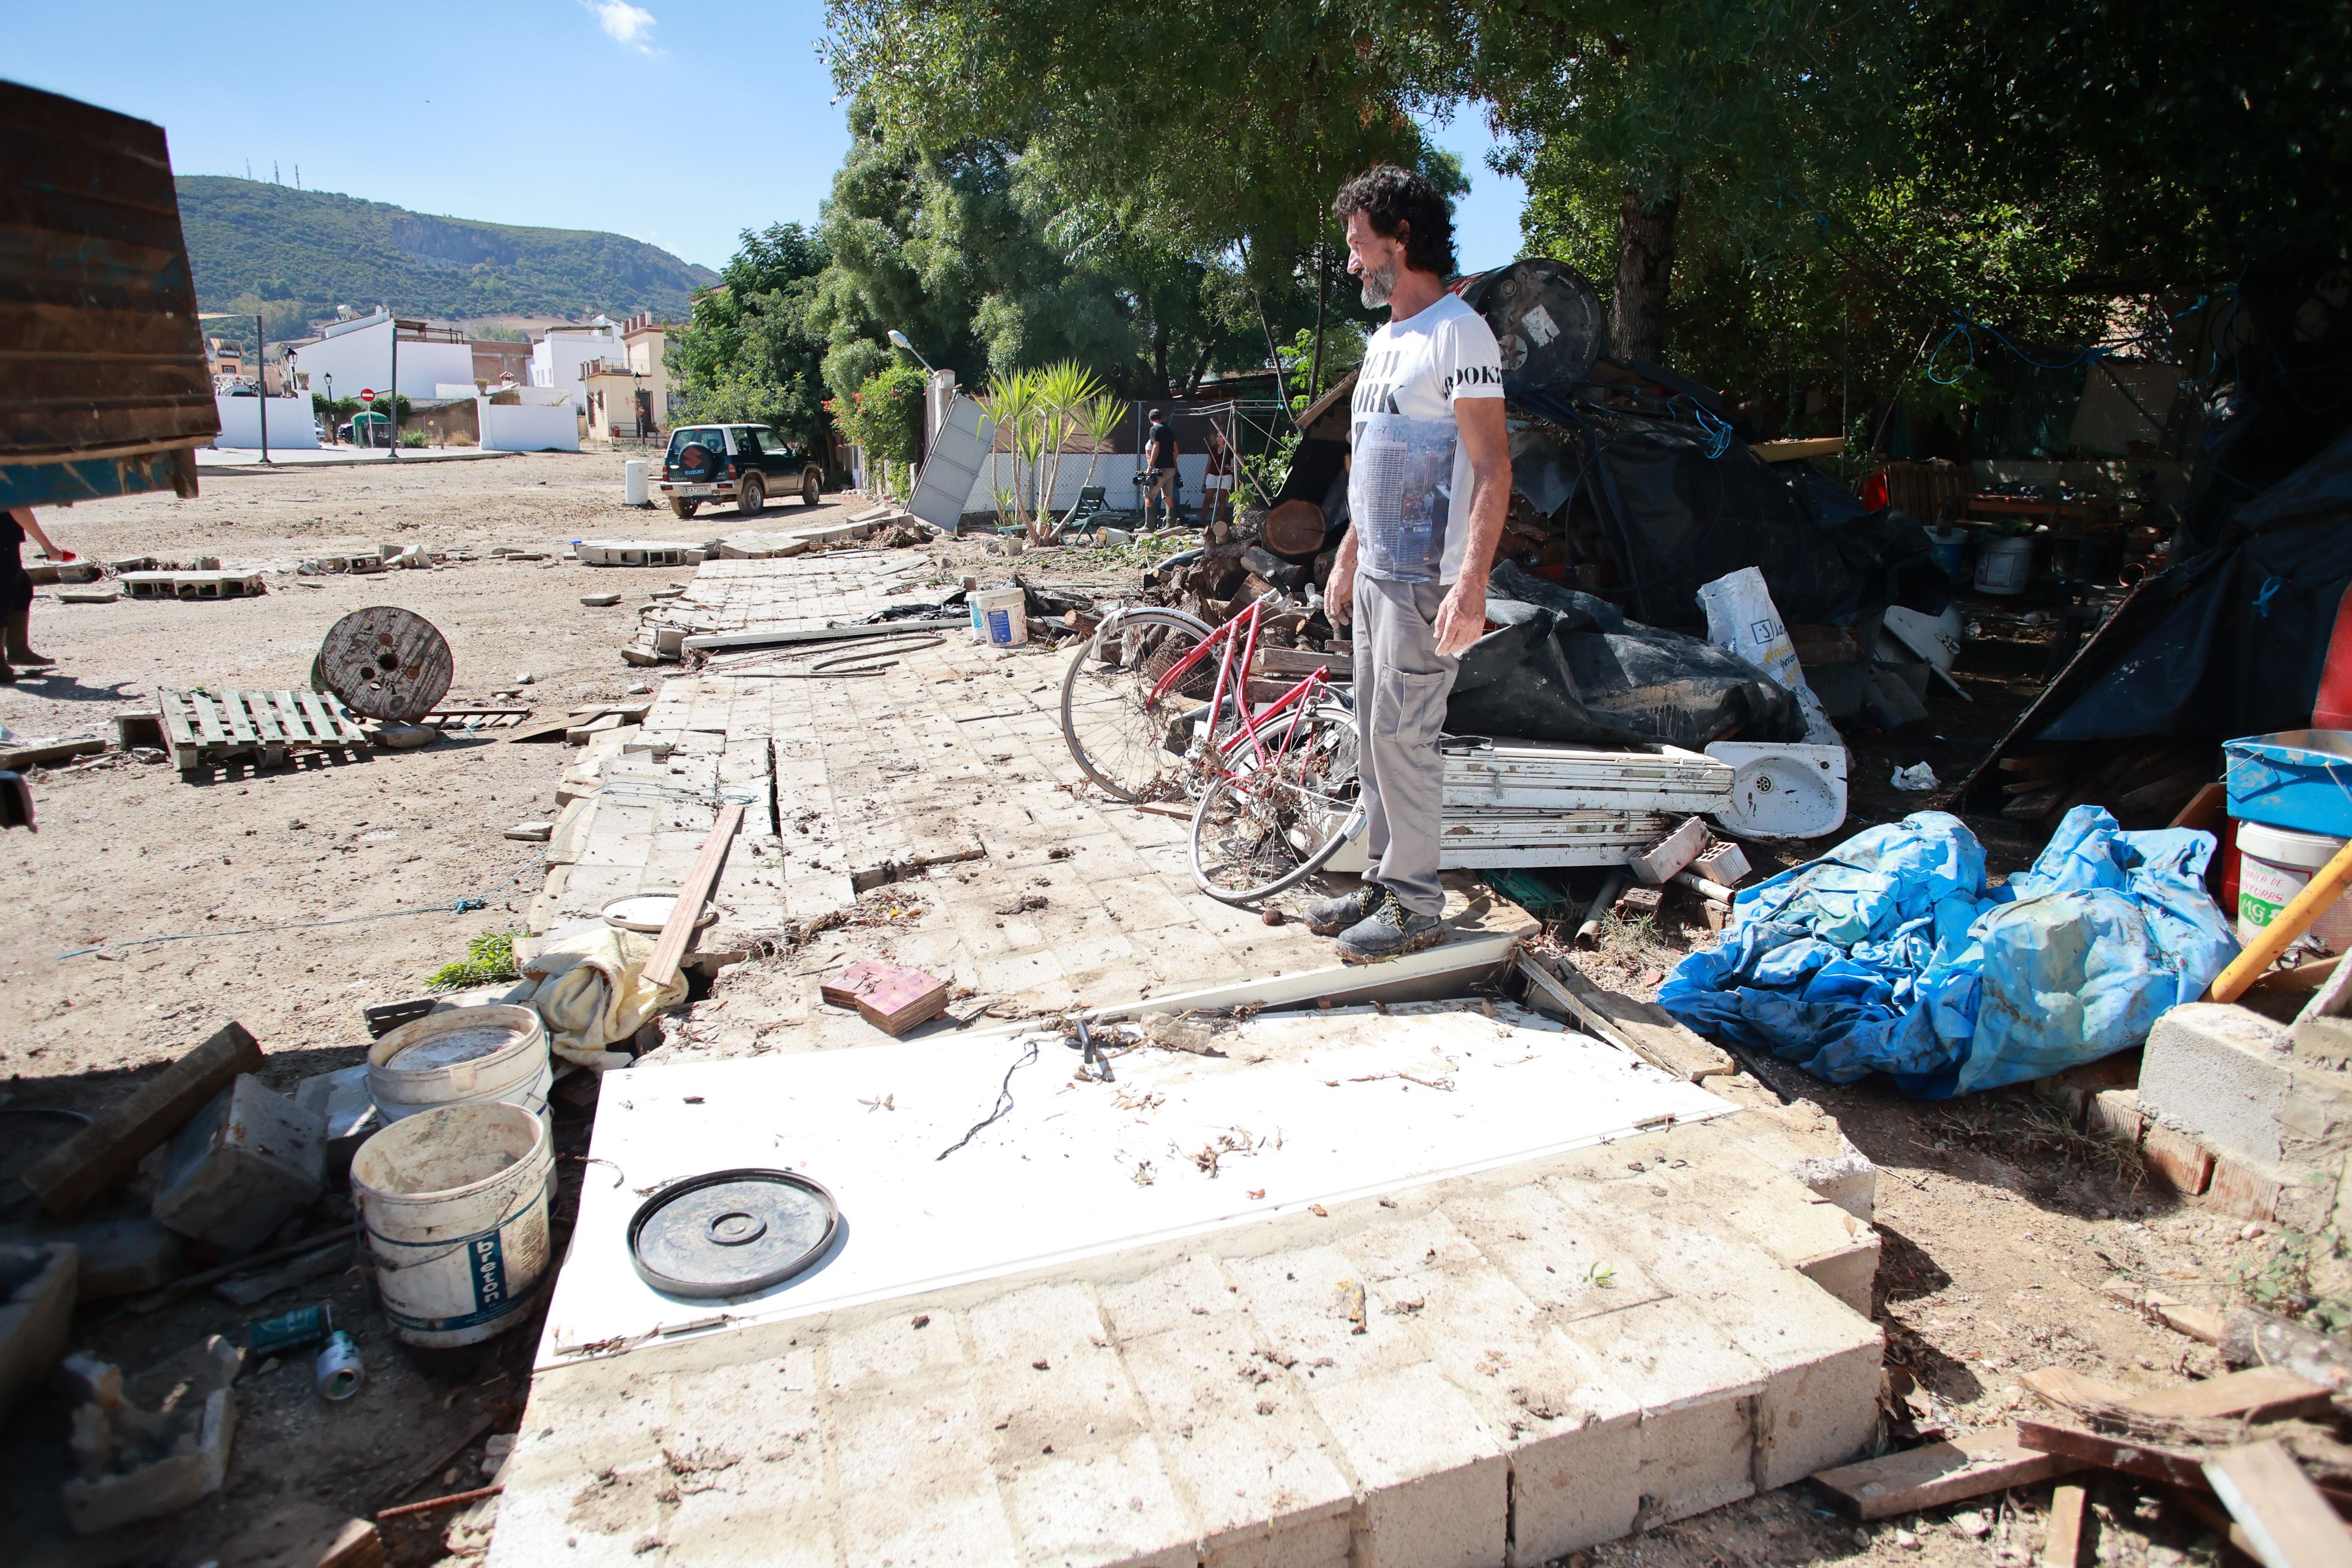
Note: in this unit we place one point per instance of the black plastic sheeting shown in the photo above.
(2231, 642)
(1565, 666)
(1683, 503)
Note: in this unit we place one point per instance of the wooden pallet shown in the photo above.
(476, 718)
(191, 584)
(205, 727)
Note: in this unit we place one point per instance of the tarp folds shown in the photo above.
(1567, 667)
(1890, 955)
(1681, 505)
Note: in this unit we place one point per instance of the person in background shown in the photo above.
(1429, 483)
(1159, 459)
(16, 591)
(1217, 483)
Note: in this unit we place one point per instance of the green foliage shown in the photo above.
(1044, 412)
(2284, 1281)
(885, 414)
(748, 352)
(488, 959)
(414, 438)
(298, 254)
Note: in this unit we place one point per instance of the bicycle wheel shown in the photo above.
(1269, 825)
(1126, 742)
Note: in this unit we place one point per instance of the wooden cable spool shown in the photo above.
(385, 663)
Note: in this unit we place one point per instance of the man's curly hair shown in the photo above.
(1397, 200)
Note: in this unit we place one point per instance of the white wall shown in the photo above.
(291, 424)
(1114, 471)
(556, 358)
(361, 358)
(513, 427)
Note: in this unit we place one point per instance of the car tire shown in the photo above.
(812, 487)
(752, 497)
(684, 508)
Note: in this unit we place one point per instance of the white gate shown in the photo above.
(958, 452)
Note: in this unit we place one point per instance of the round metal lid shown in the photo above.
(731, 1233)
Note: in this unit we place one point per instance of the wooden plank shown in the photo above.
(109, 1150)
(208, 723)
(1938, 1473)
(2109, 1453)
(2257, 1394)
(661, 969)
(2062, 1546)
(262, 714)
(175, 706)
(291, 720)
(232, 714)
(2285, 1518)
(1649, 1031)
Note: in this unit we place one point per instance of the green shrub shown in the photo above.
(488, 959)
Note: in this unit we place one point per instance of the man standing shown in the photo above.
(1428, 482)
(1160, 457)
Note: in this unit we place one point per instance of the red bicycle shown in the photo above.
(1157, 703)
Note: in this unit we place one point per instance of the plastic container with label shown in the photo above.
(2273, 865)
(2004, 566)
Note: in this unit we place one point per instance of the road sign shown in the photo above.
(367, 395)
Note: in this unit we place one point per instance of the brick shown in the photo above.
(1435, 1486)
(2176, 1159)
(2113, 1114)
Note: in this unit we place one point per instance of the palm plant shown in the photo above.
(1098, 419)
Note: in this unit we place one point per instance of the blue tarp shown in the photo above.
(1890, 955)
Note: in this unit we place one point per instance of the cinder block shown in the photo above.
(1811, 1234)
(2224, 1075)
(1238, 1435)
(1435, 1486)
(890, 1451)
(1100, 1503)
(1698, 1394)
(1820, 1359)
(37, 1303)
(245, 1164)
(1301, 1304)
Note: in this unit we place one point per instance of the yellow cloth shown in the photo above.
(591, 991)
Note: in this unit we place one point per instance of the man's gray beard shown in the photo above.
(1379, 286)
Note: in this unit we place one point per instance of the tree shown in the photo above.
(965, 247)
(748, 351)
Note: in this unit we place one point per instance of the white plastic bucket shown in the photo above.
(465, 1054)
(1005, 615)
(632, 482)
(2004, 565)
(454, 1205)
(2273, 865)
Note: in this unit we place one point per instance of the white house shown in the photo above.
(557, 358)
(357, 354)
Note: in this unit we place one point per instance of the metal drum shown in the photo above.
(1547, 320)
(385, 663)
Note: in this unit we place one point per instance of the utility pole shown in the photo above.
(261, 378)
(395, 385)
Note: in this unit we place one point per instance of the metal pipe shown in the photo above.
(1589, 931)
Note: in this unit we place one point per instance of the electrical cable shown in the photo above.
(1003, 1100)
(456, 906)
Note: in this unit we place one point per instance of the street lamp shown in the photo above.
(900, 338)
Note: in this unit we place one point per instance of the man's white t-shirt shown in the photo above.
(1410, 465)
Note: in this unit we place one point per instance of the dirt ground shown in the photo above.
(2000, 1230)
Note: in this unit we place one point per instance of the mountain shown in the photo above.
(296, 255)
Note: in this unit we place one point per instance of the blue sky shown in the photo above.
(557, 113)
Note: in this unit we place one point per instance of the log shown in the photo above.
(2257, 1339)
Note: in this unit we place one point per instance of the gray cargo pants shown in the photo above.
(1401, 684)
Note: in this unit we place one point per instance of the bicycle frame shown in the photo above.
(1242, 632)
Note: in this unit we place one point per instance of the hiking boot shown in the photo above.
(1390, 931)
(1330, 916)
